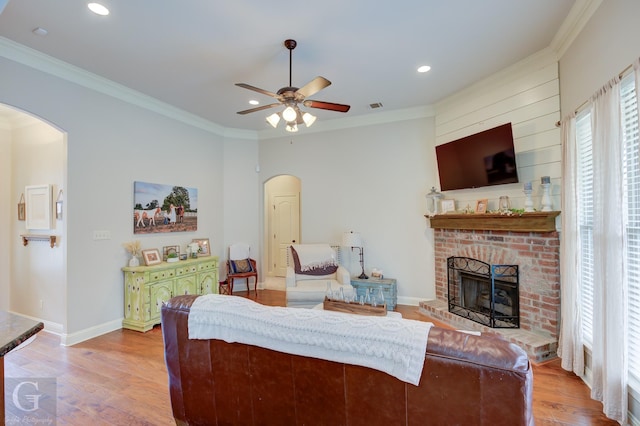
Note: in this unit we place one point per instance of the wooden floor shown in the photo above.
(120, 379)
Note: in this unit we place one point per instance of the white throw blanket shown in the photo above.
(314, 256)
(394, 345)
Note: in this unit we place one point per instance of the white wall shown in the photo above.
(110, 145)
(242, 202)
(371, 179)
(606, 46)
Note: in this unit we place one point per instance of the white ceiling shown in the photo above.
(191, 53)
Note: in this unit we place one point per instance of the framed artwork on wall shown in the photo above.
(38, 206)
(21, 208)
(164, 208)
(59, 206)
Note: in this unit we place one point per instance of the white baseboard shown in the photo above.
(50, 326)
(90, 333)
(410, 301)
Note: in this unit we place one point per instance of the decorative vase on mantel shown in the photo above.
(134, 261)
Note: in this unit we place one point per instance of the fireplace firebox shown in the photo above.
(484, 293)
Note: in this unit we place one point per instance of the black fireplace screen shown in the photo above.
(484, 293)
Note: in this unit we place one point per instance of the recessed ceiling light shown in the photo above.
(254, 102)
(40, 31)
(98, 9)
(424, 68)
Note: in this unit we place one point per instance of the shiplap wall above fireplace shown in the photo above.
(527, 95)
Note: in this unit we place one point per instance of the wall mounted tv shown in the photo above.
(483, 159)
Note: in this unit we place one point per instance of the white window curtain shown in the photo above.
(609, 342)
(609, 370)
(570, 346)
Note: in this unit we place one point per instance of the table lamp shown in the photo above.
(354, 240)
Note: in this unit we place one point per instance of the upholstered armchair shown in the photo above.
(310, 268)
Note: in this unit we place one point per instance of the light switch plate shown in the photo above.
(101, 235)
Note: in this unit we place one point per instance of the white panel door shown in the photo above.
(285, 221)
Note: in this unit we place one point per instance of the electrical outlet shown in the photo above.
(101, 235)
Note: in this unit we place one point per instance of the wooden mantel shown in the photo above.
(526, 222)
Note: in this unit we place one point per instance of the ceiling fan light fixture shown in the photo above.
(273, 119)
(308, 119)
(289, 114)
(291, 127)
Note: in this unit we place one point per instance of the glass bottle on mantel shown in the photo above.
(327, 293)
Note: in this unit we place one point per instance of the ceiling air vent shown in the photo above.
(375, 105)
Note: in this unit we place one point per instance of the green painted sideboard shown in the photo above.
(146, 287)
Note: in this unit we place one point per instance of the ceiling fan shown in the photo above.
(290, 97)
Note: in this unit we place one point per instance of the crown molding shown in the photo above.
(578, 16)
(37, 60)
(50, 65)
(575, 21)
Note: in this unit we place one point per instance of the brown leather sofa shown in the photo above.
(466, 380)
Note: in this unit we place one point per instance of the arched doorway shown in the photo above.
(33, 282)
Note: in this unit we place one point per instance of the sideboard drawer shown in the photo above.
(189, 269)
(206, 266)
(162, 274)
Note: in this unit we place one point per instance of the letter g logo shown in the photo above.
(33, 399)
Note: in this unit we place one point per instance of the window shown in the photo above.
(630, 211)
(585, 215)
(632, 188)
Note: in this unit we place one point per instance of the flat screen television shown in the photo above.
(483, 159)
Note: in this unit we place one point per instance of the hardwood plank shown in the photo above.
(120, 378)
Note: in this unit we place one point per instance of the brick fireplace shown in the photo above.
(536, 251)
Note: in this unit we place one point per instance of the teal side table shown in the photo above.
(388, 286)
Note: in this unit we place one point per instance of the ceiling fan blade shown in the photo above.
(256, 89)
(260, 108)
(327, 105)
(313, 87)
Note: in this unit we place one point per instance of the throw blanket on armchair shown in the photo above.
(313, 259)
(395, 346)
